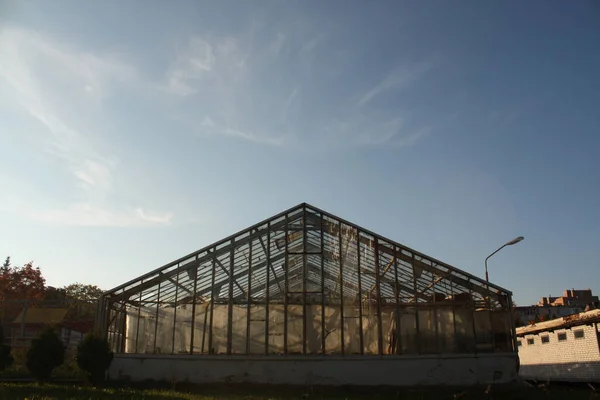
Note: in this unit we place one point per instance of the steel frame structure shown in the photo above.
(307, 282)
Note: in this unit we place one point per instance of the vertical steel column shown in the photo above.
(156, 324)
(415, 288)
(473, 311)
(341, 282)
(397, 293)
(123, 326)
(230, 300)
(513, 327)
(377, 285)
(202, 346)
(489, 310)
(212, 300)
(268, 283)
(322, 286)
(285, 288)
(193, 326)
(435, 316)
(455, 340)
(249, 307)
(137, 329)
(304, 279)
(360, 313)
(175, 311)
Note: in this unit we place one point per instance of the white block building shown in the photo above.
(563, 349)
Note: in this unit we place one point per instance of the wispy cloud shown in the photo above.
(395, 80)
(373, 130)
(191, 64)
(64, 89)
(215, 74)
(87, 214)
(273, 141)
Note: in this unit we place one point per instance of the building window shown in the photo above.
(578, 334)
(546, 339)
(530, 341)
(562, 336)
(519, 343)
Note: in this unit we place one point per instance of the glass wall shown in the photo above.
(307, 283)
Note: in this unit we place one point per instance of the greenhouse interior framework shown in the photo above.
(305, 282)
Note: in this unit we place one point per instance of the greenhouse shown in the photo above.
(308, 298)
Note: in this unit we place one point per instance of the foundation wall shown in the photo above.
(333, 371)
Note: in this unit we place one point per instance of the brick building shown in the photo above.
(563, 349)
(526, 315)
(571, 298)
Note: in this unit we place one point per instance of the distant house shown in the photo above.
(32, 321)
(570, 298)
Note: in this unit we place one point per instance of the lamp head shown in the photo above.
(515, 241)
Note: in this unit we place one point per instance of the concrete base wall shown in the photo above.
(363, 371)
(568, 372)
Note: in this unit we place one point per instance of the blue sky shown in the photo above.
(132, 133)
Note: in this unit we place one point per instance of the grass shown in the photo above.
(66, 392)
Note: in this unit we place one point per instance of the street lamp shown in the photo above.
(510, 243)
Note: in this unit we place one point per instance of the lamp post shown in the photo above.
(512, 322)
(510, 243)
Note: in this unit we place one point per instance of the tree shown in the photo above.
(53, 293)
(20, 283)
(46, 353)
(6, 265)
(80, 299)
(81, 292)
(94, 357)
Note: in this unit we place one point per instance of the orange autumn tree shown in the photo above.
(21, 283)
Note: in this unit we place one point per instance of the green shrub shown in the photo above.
(94, 357)
(46, 353)
(6, 358)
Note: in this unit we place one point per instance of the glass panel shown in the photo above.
(116, 327)
(294, 328)
(239, 321)
(221, 305)
(333, 317)
(313, 331)
(350, 291)
(483, 331)
(502, 330)
(240, 296)
(275, 274)
(147, 323)
(295, 284)
(427, 331)
(408, 336)
(275, 328)
(200, 313)
(333, 344)
(183, 311)
(257, 329)
(465, 336)
(446, 335)
(165, 318)
(131, 328)
(369, 295)
(164, 336)
(313, 308)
